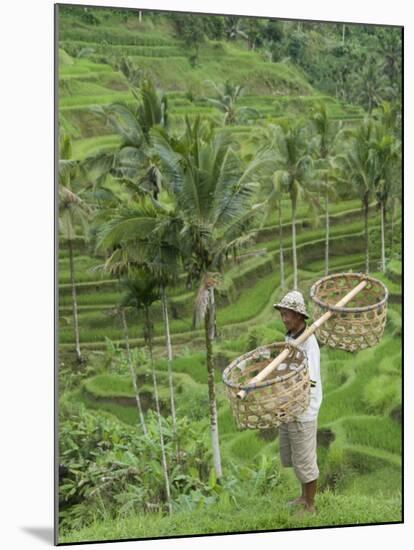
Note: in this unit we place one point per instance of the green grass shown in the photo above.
(83, 266)
(393, 287)
(64, 58)
(127, 415)
(245, 445)
(106, 385)
(113, 36)
(138, 49)
(82, 67)
(380, 483)
(80, 87)
(94, 324)
(348, 398)
(377, 432)
(383, 393)
(394, 269)
(226, 421)
(267, 513)
(235, 64)
(337, 210)
(250, 302)
(104, 391)
(194, 365)
(70, 102)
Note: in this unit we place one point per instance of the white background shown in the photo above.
(27, 280)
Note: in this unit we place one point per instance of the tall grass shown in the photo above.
(378, 432)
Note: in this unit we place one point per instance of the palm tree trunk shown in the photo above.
(327, 234)
(382, 238)
(366, 235)
(282, 267)
(169, 357)
(132, 372)
(343, 34)
(157, 405)
(295, 263)
(209, 326)
(74, 304)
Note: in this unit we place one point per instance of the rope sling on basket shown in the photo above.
(257, 403)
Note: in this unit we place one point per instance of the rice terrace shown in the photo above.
(207, 166)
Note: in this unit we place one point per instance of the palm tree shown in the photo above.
(117, 264)
(324, 166)
(132, 371)
(226, 98)
(277, 194)
(163, 264)
(142, 292)
(233, 28)
(133, 74)
(136, 167)
(213, 199)
(360, 167)
(391, 54)
(273, 190)
(293, 170)
(132, 162)
(146, 237)
(73, 211)
(371, 85)
(386, 153)
(395, 201)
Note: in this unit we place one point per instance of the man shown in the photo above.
(297, 439)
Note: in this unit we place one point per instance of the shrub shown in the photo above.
(110, 469)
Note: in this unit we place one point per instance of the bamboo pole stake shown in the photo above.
(302, 338)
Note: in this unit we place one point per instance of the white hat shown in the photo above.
(294, 301)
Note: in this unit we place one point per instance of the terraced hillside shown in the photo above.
(96, 296)
(359, 437)
(275, 90)
(84, 83)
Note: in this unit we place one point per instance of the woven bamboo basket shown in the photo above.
(274, 401)
(361, 323)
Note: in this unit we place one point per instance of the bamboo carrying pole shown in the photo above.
(302, 338)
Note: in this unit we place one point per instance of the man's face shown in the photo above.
(292, 320)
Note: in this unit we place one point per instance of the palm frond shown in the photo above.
(69, 198)
(125, 123)
(127, 224)
(171, 161)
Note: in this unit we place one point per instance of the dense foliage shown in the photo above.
(207, 163)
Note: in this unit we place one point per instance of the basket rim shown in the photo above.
(264, 383)
(361, 277)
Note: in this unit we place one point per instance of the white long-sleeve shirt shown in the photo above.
(311, 349)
